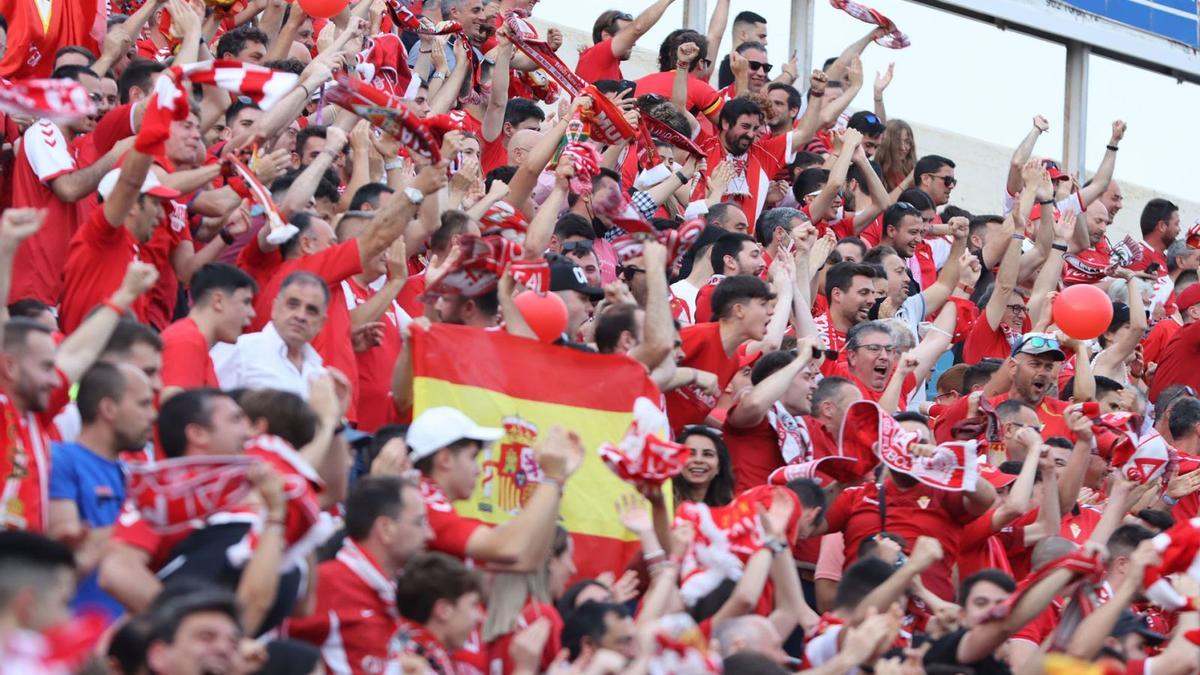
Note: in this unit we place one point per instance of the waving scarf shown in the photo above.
(643, 457)
(387, 112)
(59, 100)
(894, 39)
(173, 492)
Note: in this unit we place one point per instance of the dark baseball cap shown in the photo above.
(566, 276)
(1038, 344)
(866, 122)
(1132, 622)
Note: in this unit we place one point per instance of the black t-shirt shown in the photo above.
(942, 657)
(724, 73)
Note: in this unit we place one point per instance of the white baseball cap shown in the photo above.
(150, 186)
(442, 426)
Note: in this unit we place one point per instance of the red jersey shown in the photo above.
(704, 313)
(920, 510)
(980, 549)
(99, 255)
(599, 63)
(259, 264)
(451, 532)
(412, 289)
(762, 161)
(376, 364)
(702, 100)
(35, 38)
(841, 229)
(355, 616)
(493, 153)
(25, 467)
(168, 236)
(1050, 411)
(499, 662)
(186, 362)
(45, 155)
(1177, 363)
(754, 451)
(983, 342)
(1158, 338)
(702, 349)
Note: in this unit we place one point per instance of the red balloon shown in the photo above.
(323, 9)
(1082, 311)
(545, 314)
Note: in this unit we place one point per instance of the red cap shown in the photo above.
(1189, 297)
(995, 476)
(746, 360)
(1056, 174)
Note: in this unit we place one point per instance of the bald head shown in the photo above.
(520, 144)
(1113, 199)
(750, 633)
(1098, 219)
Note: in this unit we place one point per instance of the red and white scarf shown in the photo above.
(173, 492)
(58, 100)
(643, 457)
(795, 444)
(894, 39)
(360, 563)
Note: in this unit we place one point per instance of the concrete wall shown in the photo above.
(982, 165)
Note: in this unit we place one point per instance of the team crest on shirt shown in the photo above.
(1075, 530)
(923, 502)
(510, 471)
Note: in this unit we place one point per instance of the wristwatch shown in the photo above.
(776, 546)
(414, 195)
(393, 164)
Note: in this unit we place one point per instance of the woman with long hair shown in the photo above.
(517, 600)
(897, 153)
(708, 475)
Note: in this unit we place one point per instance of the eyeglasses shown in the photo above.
(946, 395)
(1017, 309)
(876, 350)
(628, 272)
(950, 181)
(1036, 427)
(759, 65)
(577, 247)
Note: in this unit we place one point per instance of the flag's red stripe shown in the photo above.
(594, 555)
(530, 370)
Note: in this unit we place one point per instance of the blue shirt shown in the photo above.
(97, 486)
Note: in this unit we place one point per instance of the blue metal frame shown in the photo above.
(1175, 20)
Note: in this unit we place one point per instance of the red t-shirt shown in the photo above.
(174, 229)
(259, 264)
(754, 451)
(1177, 363)
(25, 462)
(920, 510)
(334, 264)
(1158, 338)
(841, 229)
(842, 369)
(376, 364)
(702, 100)
(702, 349)
(33, 45)
(412, 289)
(498, 659)
(44, 155)
(355, 616)
(704, 312)
(451, 532)
(132, 530)
(186, 362)
(979, 549)
(599, 63)
(96, 264)
(984, 342)
(492, 154)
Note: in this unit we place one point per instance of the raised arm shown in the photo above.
(1021, 155)
(525, 179)
(810, 121)
(443, 100)
(951, 273)
(925, 552)
(393, 217)
(305, 186)
(493, 118)
(1104, 174)
(81, 348)
(837, 174)
(623, 41)
(541, 228)
(880, 199)
(658, 332)
(521, 543)
(1077, 463)
(854, 82)
(1005, 284)
(985, 638)
(16, 225)
(717, 23)
(1111, 360)
(851, 54)
(882, 80)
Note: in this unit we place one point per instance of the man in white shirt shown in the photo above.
(280, 356)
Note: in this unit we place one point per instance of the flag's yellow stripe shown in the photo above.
(588, 506)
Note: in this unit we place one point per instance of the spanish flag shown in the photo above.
(525, 386)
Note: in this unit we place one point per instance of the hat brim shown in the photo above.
(484, 434)
(163, 192)
(998, 479)
(1056, 353)
(591, 291)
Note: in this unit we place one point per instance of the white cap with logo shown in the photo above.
(439, 427)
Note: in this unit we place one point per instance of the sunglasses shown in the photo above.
(907, 207)
(628, 272)
(759, 65)
(1038, 342)
(579, 247)
(950, 181)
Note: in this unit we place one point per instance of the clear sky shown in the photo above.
(975, 79)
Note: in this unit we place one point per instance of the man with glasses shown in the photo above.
(750, 57)
(613, 37)
(871, 127)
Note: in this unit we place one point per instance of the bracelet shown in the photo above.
(307, 92)
(1112, 147)
(393, 164)
(546, 480)
(879, 99)
(435, 75)
(1059, 247)
(775, 545)
(1045, 202)
(966, 289)
(682, 178)
(810, 93)
(661, 566)
(654, 558)
(1018, 237)
(282, 522)
(940, 330)
(425, 51)
(226, 237)
(1169, 500)
(114, 307)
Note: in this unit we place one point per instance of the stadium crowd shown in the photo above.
(228, 228)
